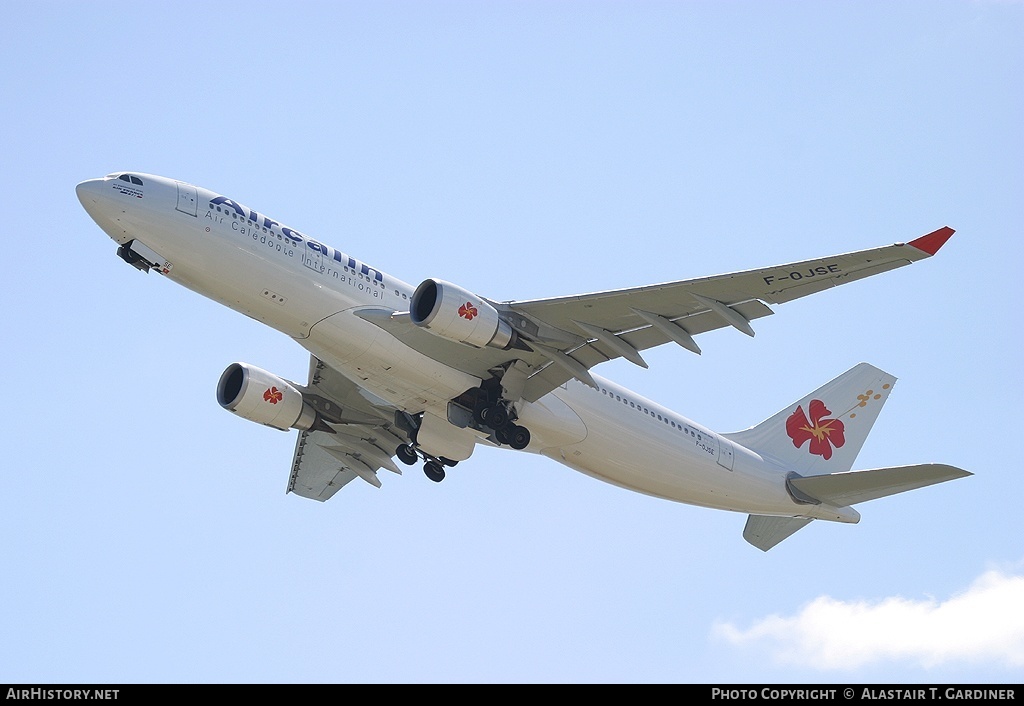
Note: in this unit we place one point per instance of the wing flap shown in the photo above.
(694, 324)
(357, 438)
(549, 376)
(315, 473)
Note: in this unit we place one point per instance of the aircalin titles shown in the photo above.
(297, 237)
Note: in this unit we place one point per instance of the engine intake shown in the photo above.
(263, 397)
(449, 311)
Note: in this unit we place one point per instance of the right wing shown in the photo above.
(362, 439)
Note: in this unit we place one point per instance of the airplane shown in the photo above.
(428, 373)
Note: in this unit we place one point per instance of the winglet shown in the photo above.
(933, 241)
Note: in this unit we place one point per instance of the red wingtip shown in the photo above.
(933, 241)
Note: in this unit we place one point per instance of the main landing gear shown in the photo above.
(497, 416)
(490, 412)
(432, 469)
(407, 455)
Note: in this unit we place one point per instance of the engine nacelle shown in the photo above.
(449, 311)
(263, 397)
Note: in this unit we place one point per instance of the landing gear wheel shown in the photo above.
(406, 454)
(480, 413)
(496, 417)
(434, 471)
(518, 437)
(503, 435)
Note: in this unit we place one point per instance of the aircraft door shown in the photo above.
(313, 257)
(725, 454)
(188, 198)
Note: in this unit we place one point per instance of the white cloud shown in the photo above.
(985, 623)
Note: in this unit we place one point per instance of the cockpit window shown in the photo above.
(131, 179)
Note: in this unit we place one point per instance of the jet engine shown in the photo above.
(449, 311)
(262, 397)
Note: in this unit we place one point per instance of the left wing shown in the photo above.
(362, 437)
(621, 323)
(563, 337)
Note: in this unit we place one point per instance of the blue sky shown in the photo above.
(521, 150)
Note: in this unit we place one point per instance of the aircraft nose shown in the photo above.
(96, 199)
(89, 191)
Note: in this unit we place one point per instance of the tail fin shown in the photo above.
(824, 431)
(819, 438)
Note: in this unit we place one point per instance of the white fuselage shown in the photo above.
(308, 290)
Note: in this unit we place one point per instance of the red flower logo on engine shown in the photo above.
(822, 433)
(468, 311)
(273, 395)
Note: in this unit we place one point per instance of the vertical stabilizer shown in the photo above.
(824, 431)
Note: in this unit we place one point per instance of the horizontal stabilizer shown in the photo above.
(765, 531)
(853, 487)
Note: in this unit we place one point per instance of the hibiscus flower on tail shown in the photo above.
(823, 433)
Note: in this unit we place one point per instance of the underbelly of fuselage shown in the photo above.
(650, 458)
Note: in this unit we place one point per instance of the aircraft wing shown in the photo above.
(620, 323)
(359, 436)
(561, 338)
